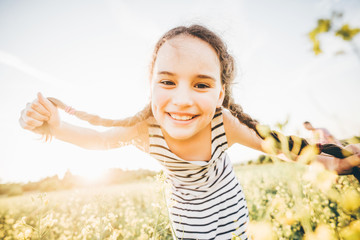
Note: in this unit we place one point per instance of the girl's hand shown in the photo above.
(341, 166)
(346, 164)
(39, 111)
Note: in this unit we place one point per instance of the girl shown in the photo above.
(190, 122)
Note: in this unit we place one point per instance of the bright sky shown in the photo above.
(94, 56)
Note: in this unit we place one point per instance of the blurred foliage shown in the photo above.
(282, 125)
(285, 201)
(127, 211)
(296, 201)
(346, 32)
(70, 181)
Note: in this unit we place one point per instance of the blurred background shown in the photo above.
(94, 56)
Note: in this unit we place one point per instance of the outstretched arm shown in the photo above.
(289, 147)
(237, 132)
(333, 157)
(91, 139)
(42, 112)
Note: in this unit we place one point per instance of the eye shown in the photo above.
(201, 85)
(167, 82)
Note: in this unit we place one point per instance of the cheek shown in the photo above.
(158, 99)
(208, 100)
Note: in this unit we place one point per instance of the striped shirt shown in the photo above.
(205, 199)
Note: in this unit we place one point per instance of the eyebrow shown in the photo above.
(203, 76)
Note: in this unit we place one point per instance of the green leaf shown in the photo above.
(323, 25)
(347, 33)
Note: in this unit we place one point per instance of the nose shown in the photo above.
(182, 96)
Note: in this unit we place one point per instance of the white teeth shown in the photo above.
(181, 117)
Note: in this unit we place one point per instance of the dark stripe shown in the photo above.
(156, 136)
(216, 126)
(216, 173)
(188, 189)
(159, 146)
(154, 125)
(217, 114)
(241, 207)
(222, 172)
(162, 155)
(192, 181)
(193, 174)
(210, 199)
(236, 184)
(217, 147)
(202, 198)
(229, 231)
(201, 210)
(178, 170)
(218, 136)
(222, 225)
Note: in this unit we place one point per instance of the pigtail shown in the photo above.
(98, 121)
(94, 119)
(237, 111)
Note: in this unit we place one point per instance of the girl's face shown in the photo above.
(186, 86)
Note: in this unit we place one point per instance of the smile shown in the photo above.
(182, 117)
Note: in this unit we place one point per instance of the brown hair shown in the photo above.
(227, 65)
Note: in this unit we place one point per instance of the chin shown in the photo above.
(179, 135)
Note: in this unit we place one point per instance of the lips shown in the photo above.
(182, 116)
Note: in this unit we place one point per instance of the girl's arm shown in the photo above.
(331, 156)
(237, 132)
(91, 139)
(42, 111)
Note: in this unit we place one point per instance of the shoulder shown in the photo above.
(237, 132)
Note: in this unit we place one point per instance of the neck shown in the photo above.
(197, 148)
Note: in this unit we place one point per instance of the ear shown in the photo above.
(221, 97)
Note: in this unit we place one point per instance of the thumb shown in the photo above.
(45, 102)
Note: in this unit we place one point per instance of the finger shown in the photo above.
(353, 160)
(39, 108)
(45, 102)
(30, 122)
(36, 115)
(24, 125)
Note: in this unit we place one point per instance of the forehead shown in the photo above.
(186, 54)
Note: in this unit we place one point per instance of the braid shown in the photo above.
(95, 119)
(237, 111)
(98, 121)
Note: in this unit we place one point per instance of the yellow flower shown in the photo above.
(350, 200)
(352, 231)
(288, 218)
(322, 178)
(322, 232)
(261, 231)
(28, 233)
(21, 235)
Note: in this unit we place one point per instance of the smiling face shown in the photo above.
(185, 87)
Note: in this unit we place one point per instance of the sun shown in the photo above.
(89, 174)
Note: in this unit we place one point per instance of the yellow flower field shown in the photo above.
(286, 201)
